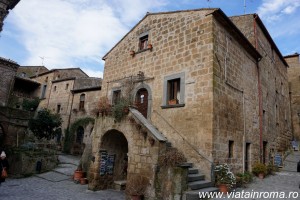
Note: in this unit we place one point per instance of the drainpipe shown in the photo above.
(259, 93)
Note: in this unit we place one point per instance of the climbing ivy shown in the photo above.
(70, 132)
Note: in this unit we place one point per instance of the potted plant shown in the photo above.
(132, 53)
(150, 46)
(225, 179)
(173, 101)
(120, 109)
(104, 106)
(136, 186)
(260, 170)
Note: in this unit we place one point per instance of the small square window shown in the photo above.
(54, 89)
(143, 43)
(173, 91)
(67, 86)
(58, 108)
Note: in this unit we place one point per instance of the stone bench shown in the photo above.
(120, 185)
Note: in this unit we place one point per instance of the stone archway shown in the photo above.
(113, 154)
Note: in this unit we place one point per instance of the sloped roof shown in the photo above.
(52, 70)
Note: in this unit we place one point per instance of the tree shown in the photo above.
(45, 124)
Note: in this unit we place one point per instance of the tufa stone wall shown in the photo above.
(293, 76)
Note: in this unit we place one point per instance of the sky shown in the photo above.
(78, 33)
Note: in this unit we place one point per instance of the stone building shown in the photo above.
(5, 6)
(294, 76)
(200, 85)
(275, 114)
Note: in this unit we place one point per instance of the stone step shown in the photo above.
(195, 177)
(199, 184)
(194, 194)
(193, 171)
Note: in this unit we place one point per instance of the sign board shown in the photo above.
(295, 145)
(278, 160)
(103, 160)
(110, 164)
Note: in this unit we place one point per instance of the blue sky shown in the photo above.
(77, 33)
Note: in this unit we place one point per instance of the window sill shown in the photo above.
(173, 106)
(143, 50)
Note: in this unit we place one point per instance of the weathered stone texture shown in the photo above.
(8, 71)
(294, 77)
(276, 116)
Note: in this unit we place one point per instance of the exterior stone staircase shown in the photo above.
(195, 180)
(197, 183)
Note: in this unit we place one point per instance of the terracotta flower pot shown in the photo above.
(83, 181)
(136, 197)
(150, 46)
(173, 102)
(223, 188)
(78, 175)
(261, 175)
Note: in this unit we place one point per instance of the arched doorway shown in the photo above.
(113, 157)
(141, 100)
(79, 135)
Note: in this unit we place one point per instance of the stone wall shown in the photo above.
(235, 100)
(275, 111)
(293, 76)
(5, 6)
(8, 70)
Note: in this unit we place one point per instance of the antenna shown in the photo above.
(43, 58)
(208, 3)
(244, 7)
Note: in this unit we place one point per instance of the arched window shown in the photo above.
(81, 103)
(79, 135)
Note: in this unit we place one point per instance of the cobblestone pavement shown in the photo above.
(54, 185)
(286, 181)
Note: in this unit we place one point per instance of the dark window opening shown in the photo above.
(230, 149)
(265, 144)
(116, 96)
(143, 44)
(54, 89)
(79, 135)
(247, 157)
(58, 108)
(81, 103)
(67, 86)
(43, 91)
(173, 91)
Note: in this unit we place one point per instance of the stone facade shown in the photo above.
(293, 76)
(274, 107)
(31, 71)
(5, 6)
(8, 69)
(226, 108)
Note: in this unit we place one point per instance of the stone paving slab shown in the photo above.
(67, 169)
(53, 176)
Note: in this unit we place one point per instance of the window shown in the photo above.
(230, 149)
(143, 43)
(116, 96)
(43, 91)
(265, 144)
(67, 86)
(81, 103)
(46, 80)
(247, 157)
(54, 89)
(58, 108)
(174, 90)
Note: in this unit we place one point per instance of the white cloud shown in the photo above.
(67, 32)
(273, 10)
(93, 73)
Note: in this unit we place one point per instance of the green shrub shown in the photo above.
(271, 169)
(243, 178)
(259, 168)
(223, 175)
